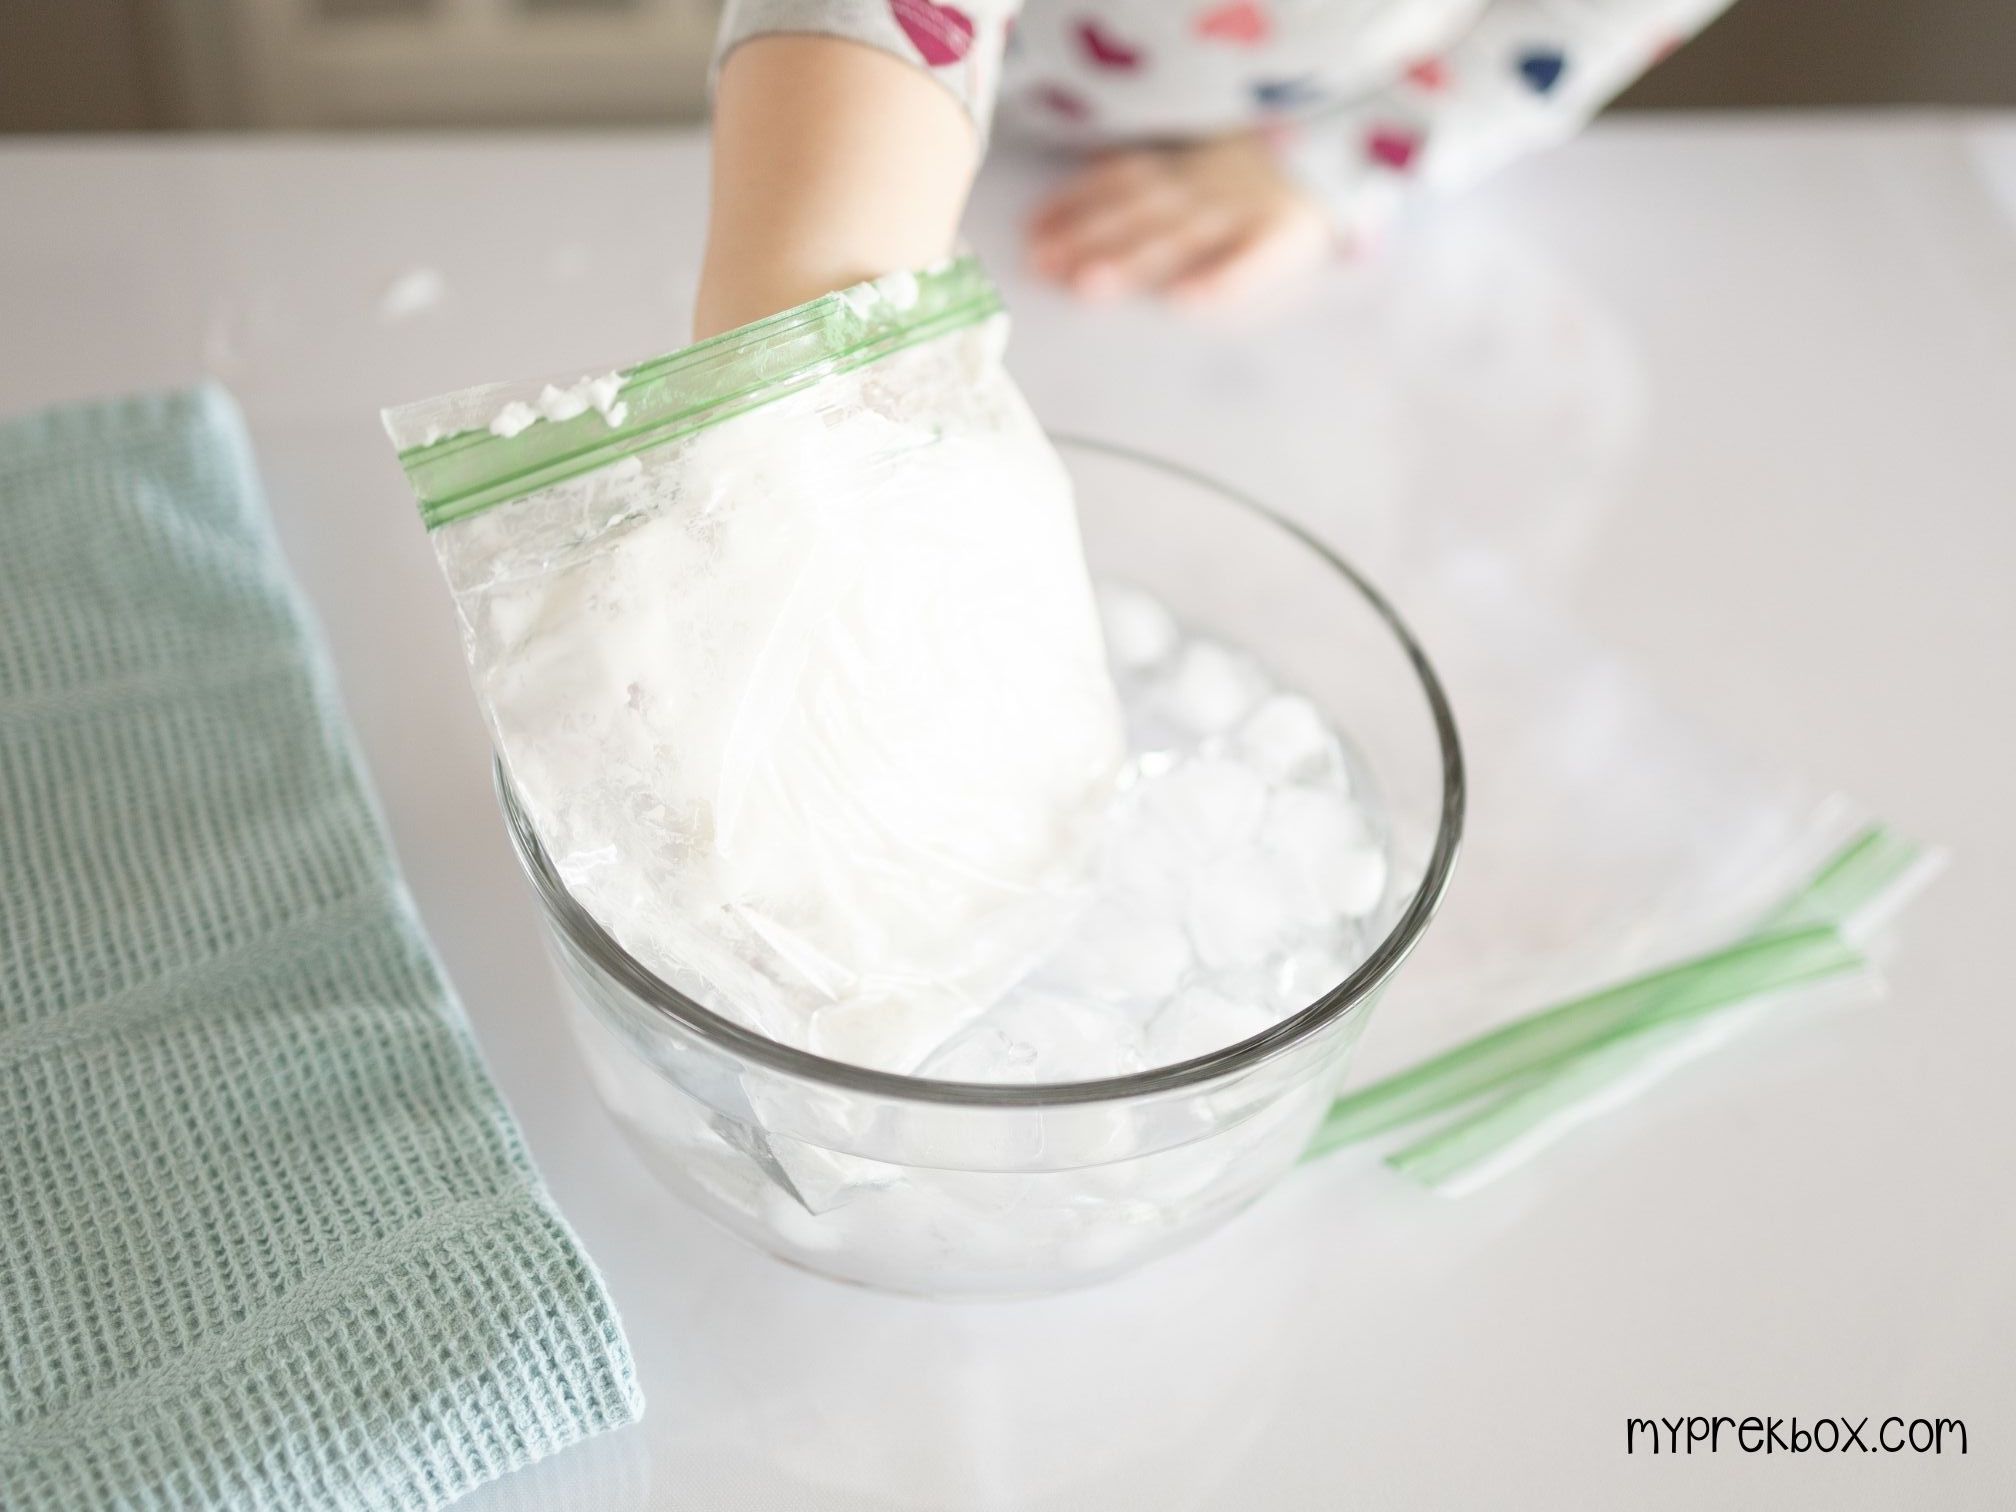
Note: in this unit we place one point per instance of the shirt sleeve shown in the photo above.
(958, 45)
(1530, 73)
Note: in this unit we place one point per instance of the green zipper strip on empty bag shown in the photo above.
(667, 398)
(1546, 1040)
(1572, 1060)
(1864, 882)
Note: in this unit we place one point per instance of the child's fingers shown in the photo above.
(1099, 235)
(1091, 214)
(1162, 252)
(1118, 176)
(1237, 268)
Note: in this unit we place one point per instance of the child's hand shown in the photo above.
(1202, 223)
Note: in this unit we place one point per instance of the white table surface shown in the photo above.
(1795, 514)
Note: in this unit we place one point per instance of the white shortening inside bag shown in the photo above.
(812, 703)
(810, 707)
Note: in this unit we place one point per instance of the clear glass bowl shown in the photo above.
(966, 1189)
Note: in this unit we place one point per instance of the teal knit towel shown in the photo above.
(268, 1237)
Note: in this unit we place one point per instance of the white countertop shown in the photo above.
(1792, 508)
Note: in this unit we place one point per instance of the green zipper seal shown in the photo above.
(1459, 1153)
(675, 396)
(1865, 877)
(1548, 1063)
(1545, 1040)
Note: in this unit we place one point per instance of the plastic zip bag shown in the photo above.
(1607, 833)
(786, 645)
(1816, 943)
(1621, 869)
(1537, 1077)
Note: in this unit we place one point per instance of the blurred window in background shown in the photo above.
(127, 65)
(323, 64)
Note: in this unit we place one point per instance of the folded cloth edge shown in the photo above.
(529, 1372)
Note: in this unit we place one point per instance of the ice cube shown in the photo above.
(886, 1030)
(1309, 972)
(1199, 1020)
(1211, 804)
(1318, 845)
(1119, 954)
(1139, 631)
(981, 1052)
(1285, 739)
(1210, 687)
(994, 1193)
(817, 1175)
(827, 1179)
(1359, 880)
(1147, 866)
(1032, 1036)
(1240, 911)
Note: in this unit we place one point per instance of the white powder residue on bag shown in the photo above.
(557, 403)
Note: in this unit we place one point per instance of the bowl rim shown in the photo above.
(590, 939)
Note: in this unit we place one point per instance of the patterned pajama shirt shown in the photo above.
(1365, 101)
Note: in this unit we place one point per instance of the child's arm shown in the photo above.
(845, 138)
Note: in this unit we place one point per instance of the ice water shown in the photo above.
(1237, 879)
(1243, 873)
